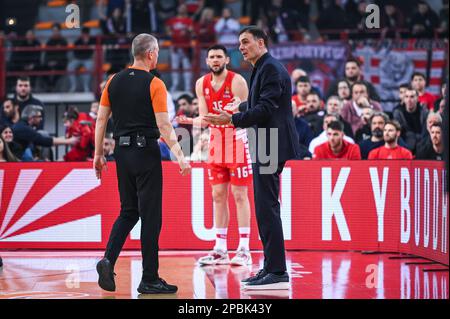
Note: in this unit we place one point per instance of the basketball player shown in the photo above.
(229, 158)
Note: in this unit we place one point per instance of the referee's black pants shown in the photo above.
(139, 175)
(267, 208)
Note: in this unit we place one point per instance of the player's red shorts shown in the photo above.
(229, 157)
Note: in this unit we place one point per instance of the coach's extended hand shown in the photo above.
(218, 119)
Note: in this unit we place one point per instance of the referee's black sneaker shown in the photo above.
(106, 275)
(158, 286)
(270, 281)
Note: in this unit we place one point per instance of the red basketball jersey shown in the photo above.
(227, 144)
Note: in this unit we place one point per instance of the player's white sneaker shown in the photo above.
(242, 258)
(215, 257)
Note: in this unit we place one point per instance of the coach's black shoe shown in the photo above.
(159, 286)
(260, 274)
(106, 275)
(270, 281)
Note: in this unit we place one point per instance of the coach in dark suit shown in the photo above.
(269, 112)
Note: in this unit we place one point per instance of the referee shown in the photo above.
(138, 103)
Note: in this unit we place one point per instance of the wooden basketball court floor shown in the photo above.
(314, 275)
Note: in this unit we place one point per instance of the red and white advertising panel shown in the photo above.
(392, 206)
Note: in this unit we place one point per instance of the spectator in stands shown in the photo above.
(353, 74)
(255, 9)
(424, 143)
(353, 110)
(205, 27)
(336, 147)
(412, 118)
(343, 90)
(167, 9)
(313, 113)
(83, 149)
(364, 132)
(227, 28)
(424, 22)
(334, 106)
(419, 83)
(7, 134)
(377, 122)
(392, 21)
(82, 58)
(433, 118)
(304, 132)
(201, 149)
(216, 5)
(116, 23)
(180, 29)
(331, 18)
(11, 112)
(142, 16)
(27, 60)
(108, 148)
(184, 105)
(440, 102)
(295, 75)
(303, 88)
(227, 31)
(26, 135)
(55, 60)
(390, 149)
(285, 24)
(107, 7)
(93, 111)
(401, 95)
(357, 19)
(322, 138)
(434, 148)
(443, 19)
(117, 51)
(186, 109)
(5, 153)
(23, 94)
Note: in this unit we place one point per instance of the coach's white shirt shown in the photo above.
(322, 138)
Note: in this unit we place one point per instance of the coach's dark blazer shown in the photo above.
(269, 106)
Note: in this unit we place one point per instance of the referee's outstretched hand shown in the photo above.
(99, 165)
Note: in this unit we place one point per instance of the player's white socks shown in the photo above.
(221, 239)
(244, 238)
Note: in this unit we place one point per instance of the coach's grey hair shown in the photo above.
(143, 43)
(31, 110)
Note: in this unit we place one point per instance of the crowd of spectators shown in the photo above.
(217, 21)
(345, 122)
(353, 125)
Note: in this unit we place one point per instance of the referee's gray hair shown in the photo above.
(142, 43)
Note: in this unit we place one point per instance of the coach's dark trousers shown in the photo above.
(139, 174)
(266, 192)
